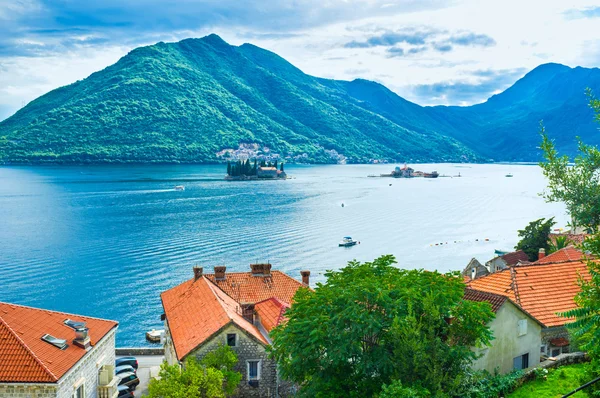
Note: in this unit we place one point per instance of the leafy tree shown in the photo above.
(535, 237)
(578, 186)
(586, 326)
(212, 377)
(281, 167)
(372, 324)
(560, 242)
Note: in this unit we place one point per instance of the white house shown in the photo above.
(48, 354)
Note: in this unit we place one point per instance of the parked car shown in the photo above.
(131, 361)
(125, 392)
(129, 379)
(124, 369)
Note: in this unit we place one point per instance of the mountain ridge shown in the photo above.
(199, 100)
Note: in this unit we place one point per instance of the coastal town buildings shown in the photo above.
(543, 289)
(49, 354)
(517, 335)
(237, 309)
(506, 260)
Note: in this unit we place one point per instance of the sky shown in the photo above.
(431, 52)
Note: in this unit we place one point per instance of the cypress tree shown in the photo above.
(275, 164)
(255, 168)
(228, 168)
(281, 167)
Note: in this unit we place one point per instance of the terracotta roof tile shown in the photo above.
(246, 288)
(196, 310)
(495, 300)
(543, 290)
(514, 257)
(569, 253)
(271, 312)
(25, 357)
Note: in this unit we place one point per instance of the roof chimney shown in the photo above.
(220, 272)
(82, 339)
(261, 269)
(541, 253)
(305, 277)
(197, 273)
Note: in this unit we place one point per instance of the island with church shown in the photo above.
(244, 170)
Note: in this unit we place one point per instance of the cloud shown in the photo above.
(442, 47)
(408, 36)
(472, 39)
(400, 52)
(477, 87)
(574, 13)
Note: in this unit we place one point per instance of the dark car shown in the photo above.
(124, 369)
(129, 379)
(131, 361)
(125, 392)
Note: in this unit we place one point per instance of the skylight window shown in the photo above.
(58, 343)
(74, 324)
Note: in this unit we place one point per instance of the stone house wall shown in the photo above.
(85, 372)
(555, 333)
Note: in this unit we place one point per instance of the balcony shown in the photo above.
(109, 390)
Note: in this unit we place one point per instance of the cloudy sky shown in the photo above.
(428, 51)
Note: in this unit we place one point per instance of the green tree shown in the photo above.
(228, 168)
(577, 185)
(535, 237)
(373, 323)
(212, 377)
(585, 327)
(560, 242)
(281, 167)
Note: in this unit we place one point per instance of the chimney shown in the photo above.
(541, 253)
(305, 277)
(473, 273)
(197, 273)
(220, 272)
(261, 269)
(82, 339)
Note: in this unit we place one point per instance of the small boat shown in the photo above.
(154, 335)
(347, 242)
(342, 205)
(433, 174)
(179, 188)
(508, 175)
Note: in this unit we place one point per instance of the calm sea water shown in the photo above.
(106, 240)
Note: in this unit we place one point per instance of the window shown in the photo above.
(58, 343)
(555, 352)
(543, 350)
(253, 370)
(232, 339)
(521, 362)
(522, 327)
(79, 392)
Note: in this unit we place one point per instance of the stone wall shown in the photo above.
(561, 360)
(84, 372)
(135, 351)
(247, 348)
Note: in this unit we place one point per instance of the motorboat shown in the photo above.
(347, 242)
(179, 188)
(509, 175)
(154, 335)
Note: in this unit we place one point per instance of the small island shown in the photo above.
(244, 170)
(408, 172)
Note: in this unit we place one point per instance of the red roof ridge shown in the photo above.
(212, 286)
(58, 312)
(280, 302)
(31, 353)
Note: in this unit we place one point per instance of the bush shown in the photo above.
(482, 384)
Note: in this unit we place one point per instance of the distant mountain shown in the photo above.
(200, 100)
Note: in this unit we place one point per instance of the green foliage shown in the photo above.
(372, 324)
(558, 382)
(397, 390)
(560, 242)
(578, 185)
(482, 384)
(212, 377)
(535, 237)
(186, 101)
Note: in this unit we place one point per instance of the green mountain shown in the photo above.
(200, 100)
(188, 101)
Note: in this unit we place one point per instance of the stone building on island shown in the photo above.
(237, 309)
(49, 354)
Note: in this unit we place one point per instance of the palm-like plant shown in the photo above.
(559, 242)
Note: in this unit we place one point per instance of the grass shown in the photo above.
(560, 381)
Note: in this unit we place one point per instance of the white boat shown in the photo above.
(179, 188)
(347, 242)
(155, 335)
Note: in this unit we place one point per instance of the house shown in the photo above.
(506, 260)
(543, 289)
(238, 309)
(517, 335)
(266, 172)
(52, 354)
(474, 270)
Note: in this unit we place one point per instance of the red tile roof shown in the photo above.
(569, 253)
(25, 357)
(271, 312)
(196, 310)
(246, 288)
(495, 300)
(559, 342)
(541, 290)
(514, 257)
